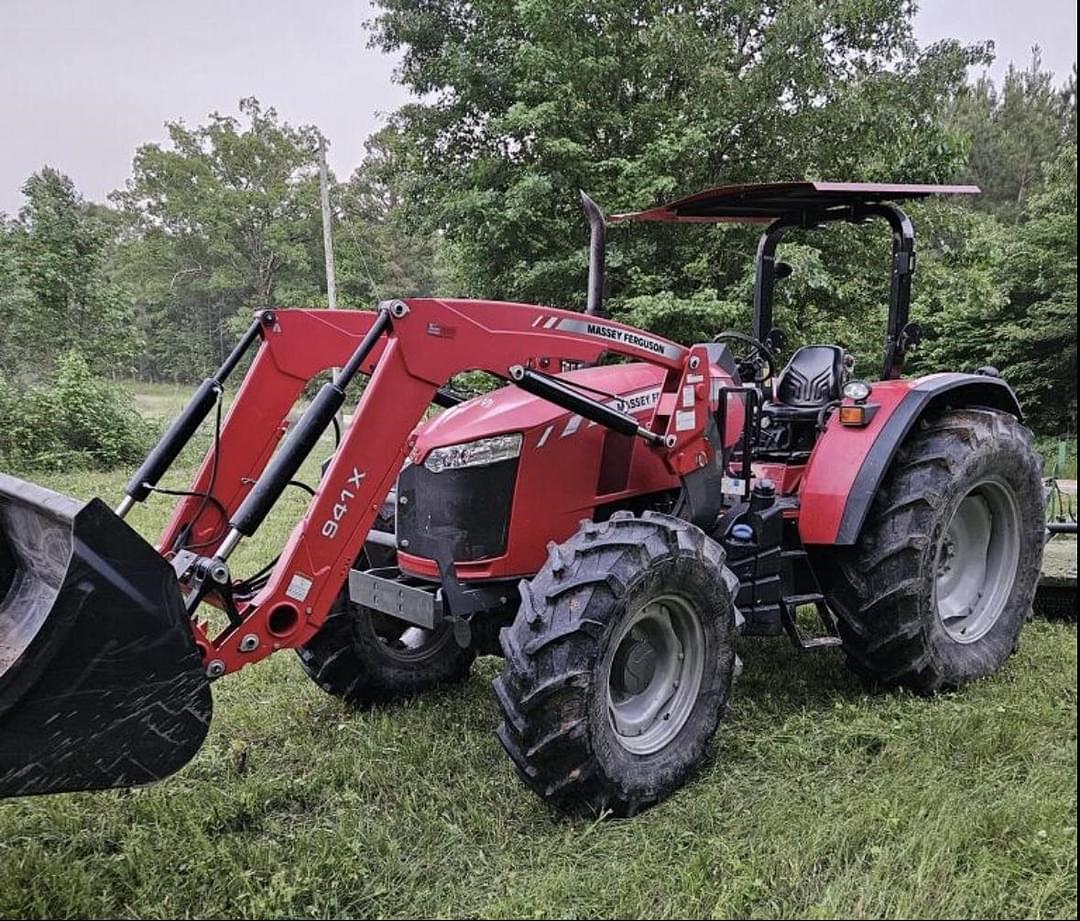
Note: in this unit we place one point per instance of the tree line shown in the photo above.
(471, 190)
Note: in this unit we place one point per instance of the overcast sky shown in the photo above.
(84, 82)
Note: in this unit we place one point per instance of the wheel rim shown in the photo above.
(404, 642)
(655, 673)
(977, 559)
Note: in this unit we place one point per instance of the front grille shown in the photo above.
(467, 510)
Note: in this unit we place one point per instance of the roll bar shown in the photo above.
(901, 334)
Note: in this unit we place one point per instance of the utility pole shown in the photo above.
(328, 247)
(327, 233)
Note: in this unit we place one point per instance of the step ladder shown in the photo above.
(792, 560)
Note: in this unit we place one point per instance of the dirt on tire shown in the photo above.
(553, 689)
(883, 589)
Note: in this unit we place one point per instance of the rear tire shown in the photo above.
(618, 664)
(941, 581)
(365, 657)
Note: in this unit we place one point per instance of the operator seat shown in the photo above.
(813, 378)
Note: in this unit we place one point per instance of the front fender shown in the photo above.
(847, 465)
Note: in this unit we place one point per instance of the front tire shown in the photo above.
(618, 664)
(941, 581)
(365, 657)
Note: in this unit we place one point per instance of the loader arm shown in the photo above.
(420, 345)
(296, 346)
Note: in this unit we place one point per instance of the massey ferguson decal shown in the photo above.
(631, 403)
(635, 402)
(622, 336)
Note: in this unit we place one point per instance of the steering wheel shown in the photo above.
(755, 360)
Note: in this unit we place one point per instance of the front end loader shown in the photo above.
(609, 521)
(101, 683)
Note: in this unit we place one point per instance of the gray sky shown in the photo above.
(84, 82)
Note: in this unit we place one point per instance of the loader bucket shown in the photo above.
(101, 684)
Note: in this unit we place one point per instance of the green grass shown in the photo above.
(819, 800)
(157, 399)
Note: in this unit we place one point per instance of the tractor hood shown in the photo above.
(510, 409)
(494, 519)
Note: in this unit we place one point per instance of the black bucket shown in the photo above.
(101, 684)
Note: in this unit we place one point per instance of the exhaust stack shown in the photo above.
(594, 304)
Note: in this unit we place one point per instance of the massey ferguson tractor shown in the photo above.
(609, 521)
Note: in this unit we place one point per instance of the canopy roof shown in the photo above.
(764, 202)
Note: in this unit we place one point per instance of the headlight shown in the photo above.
(857, 390)
(474, 453)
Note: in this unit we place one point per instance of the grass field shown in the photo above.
(819, 800)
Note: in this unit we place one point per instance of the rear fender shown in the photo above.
(848, 465)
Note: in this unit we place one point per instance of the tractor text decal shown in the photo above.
(630, 403)
(634, 402)
(341, 507)
(622, 336)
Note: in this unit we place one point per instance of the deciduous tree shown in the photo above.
(58, 290)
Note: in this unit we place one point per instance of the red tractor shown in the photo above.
(609, 521)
